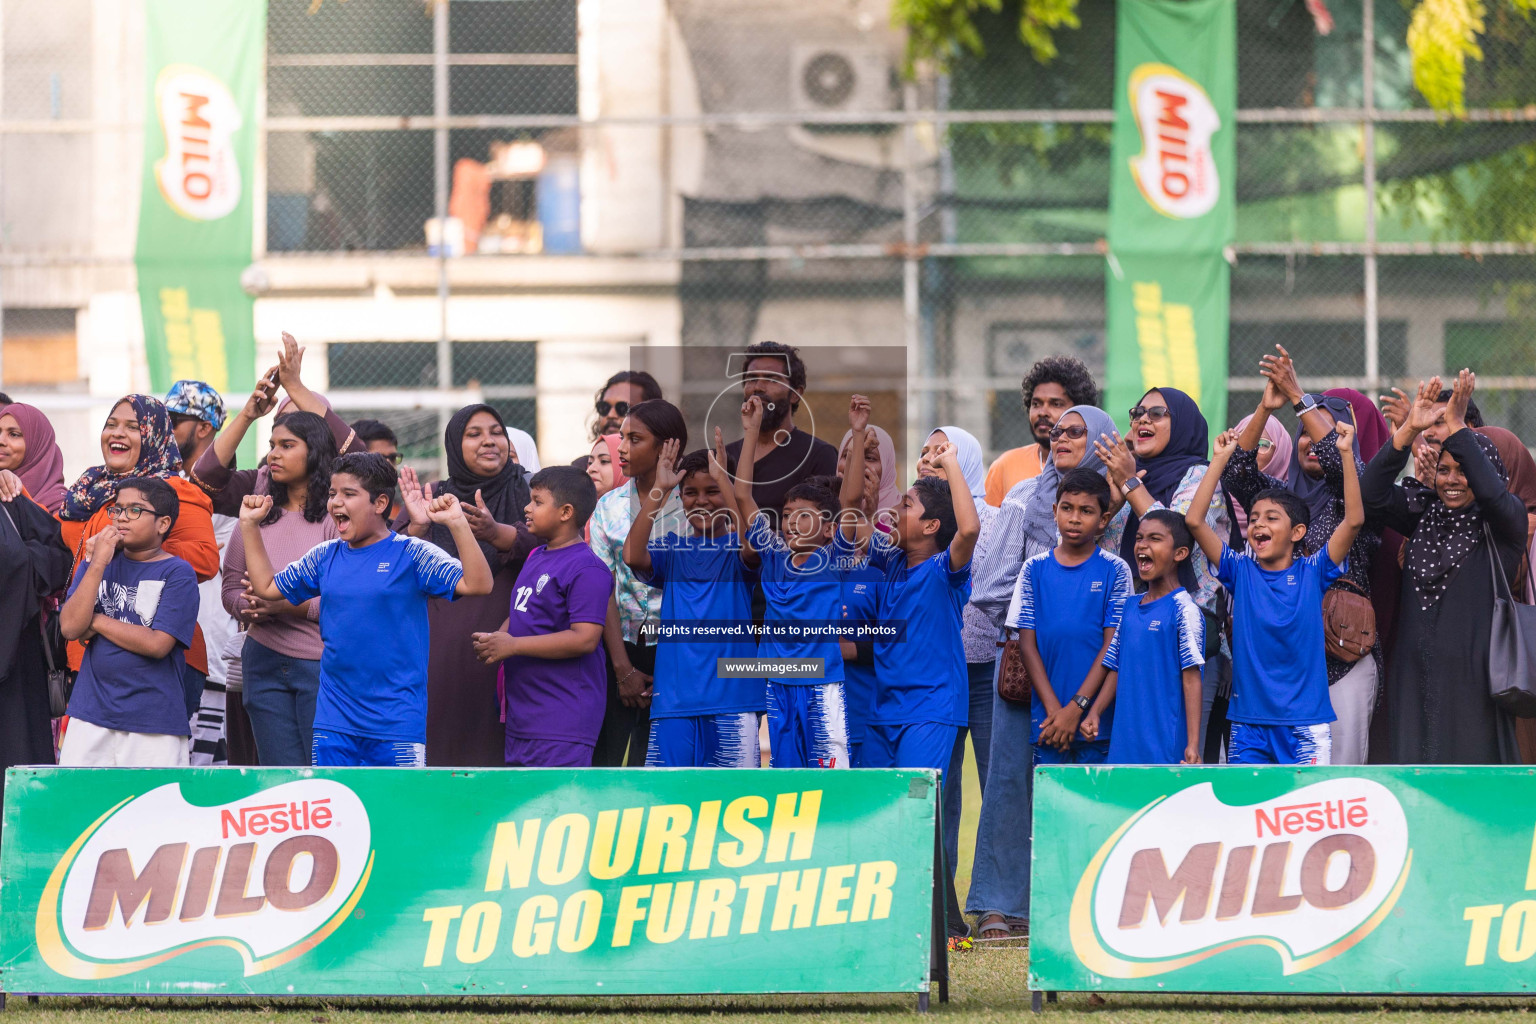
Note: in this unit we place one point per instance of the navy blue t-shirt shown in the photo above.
(117, 689)
(924, 678)
(373, 625)
(1156, 642)
(1279, 669)
(702, 578)
(1069, 607)
(810, 593)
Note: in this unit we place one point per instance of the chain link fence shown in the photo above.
(501, 199)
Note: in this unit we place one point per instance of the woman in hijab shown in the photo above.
(1438, 706)
(1160, 465)
(977, 634)
(1274, 459)
(464, 718)
(1025, 526)
(30, 456)
(1316, 475)
(136, 440)
(34, 564)
(879, 468)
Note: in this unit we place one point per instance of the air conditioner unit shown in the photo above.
(835, 78)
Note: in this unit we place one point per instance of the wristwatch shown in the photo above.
(1131, 484)
(1303, 407)
(1081, 701)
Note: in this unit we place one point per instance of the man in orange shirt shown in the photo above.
(1051, 387)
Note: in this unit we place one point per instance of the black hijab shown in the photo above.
(1189, 438)
(505, 494)
(1444, 536)
(1314, 490)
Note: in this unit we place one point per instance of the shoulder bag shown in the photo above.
(1511, 643)
(1349, 622)
(1013, 683)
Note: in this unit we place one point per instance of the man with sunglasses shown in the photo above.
(619, 394)
(1051, 387)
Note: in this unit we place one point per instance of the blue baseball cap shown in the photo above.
(195, 398)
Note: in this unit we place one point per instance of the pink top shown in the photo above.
(287, 540)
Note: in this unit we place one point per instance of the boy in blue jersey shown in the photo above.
(1070, 599)
(1280, 709)
(699, 717)
(372, 708)
(861, 607)
(921, 686)
(1155, 657)
(801, 573)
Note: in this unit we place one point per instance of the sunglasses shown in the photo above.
(128, 513)
(395, 458)
(621, 408)
(1071, 433)
(1153, 413)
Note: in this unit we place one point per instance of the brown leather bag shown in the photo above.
(1349, 622)
(1013, 683)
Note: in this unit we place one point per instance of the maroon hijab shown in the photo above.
(42, 468)
(1371, 430)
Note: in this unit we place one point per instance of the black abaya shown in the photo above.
(34, 563)
(1438, 706)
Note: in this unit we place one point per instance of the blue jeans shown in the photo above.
(1000, 873)
(279, 700)
(980, 675)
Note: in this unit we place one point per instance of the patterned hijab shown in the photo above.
(42, 468)
(158, 457)
(1040, 513)
(1444, 536)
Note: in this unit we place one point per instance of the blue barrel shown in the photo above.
(560, 205)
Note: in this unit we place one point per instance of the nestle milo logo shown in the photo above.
(1176, 168)
(1308, 874)
(269, 876)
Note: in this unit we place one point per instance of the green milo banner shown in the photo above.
(195, 223)
(1336, 879)
(438, 882)
(1171, 206)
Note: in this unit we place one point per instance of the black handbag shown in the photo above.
(1511, 644)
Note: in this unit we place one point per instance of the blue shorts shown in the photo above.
(343, 750)
(727, 740)
(1079, 752)
(916, 745)
(1280, 744)
(807, 725)
(532, 753)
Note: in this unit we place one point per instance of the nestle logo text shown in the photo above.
(1317, 816)
(275, 819)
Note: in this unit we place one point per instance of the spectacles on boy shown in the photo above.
(1153, 413)
(1073, 433)
(621, 408)
(128, 513)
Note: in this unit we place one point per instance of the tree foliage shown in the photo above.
(1442, 35)
(939, 30)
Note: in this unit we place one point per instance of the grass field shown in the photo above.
(987, 984)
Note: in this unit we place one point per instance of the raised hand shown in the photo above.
(1426, 460)
(254, 508)
(1461, 397)
(1225, 437)
(104, 546)
(946, 456)
(1118, 461)
(858, 413)
(412, 496)
(668, 475)
(1422, 415)
(751, 416)
(290, 363)
(481, 522)
(718, 462)
(1271, 400)
(1282, 374)
(445, 510)
(1226, 443)
(1395, 407)
(1346, 432)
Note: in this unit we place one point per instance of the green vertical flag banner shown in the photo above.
(203, 62)
(1171, 206)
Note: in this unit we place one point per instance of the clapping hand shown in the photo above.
(858, 413)
(1281, 372)
(413, 497)
(668, 475)
(1461, 397)
(481, 522)
(289, 364)
(1422, 415)
(1395, 407)
(1118, 461)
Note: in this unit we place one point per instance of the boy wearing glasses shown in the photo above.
(134, 605)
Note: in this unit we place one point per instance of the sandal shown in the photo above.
(993, 928)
